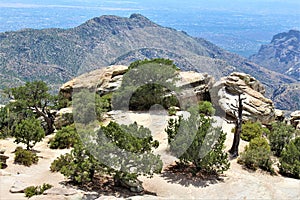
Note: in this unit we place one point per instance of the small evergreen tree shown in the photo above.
(206, 108)
(33, 96)
(79, 165)
(29, 131)
(257, 155)
(279, 136)
(290, 159)
(204, 144)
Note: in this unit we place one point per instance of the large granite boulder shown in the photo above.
(295, 119)
(195, 86)
(256, 106)
(104, 80)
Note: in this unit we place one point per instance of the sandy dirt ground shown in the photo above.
(236, 183)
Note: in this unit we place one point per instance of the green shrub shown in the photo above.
(257, 155)
(79, 165)
(36, 190)
(290, 159)
(279, 136)
(252, 130)
(29, 131)
(206, 108)
(103, 104)
(172, 111)
(65, 138)
(206, 140)
(25, 157)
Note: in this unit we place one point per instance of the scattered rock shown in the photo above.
(60, 191)
(3, 159)
(279, 115)
(2, 151)
(63, 117)
(90, 196)
(19, 187)
(295, 119)
(256, 106)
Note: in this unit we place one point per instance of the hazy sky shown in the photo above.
(281, 6)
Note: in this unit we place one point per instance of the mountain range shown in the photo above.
(57, 55)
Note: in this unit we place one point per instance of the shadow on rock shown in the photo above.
(184, 175)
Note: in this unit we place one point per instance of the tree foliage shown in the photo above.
(147, 83)
(257, 155)
(29, 131)
(206, 108)
(134, 158)
(279, 136)
(32, 100)
(79, 165)
(251, 130)
(290, 159)
(65, 138)
(6, 122)
(204, 143)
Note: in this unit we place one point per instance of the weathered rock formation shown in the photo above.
(103, 81)
(195, 86)
(256, 106)
(295, 119)
(109, 79)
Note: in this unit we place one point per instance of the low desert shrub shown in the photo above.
(25, 157)
(257, 155)
(36, 190)
(67, 137)
(205, 107)
(290, 159)
(252, 130)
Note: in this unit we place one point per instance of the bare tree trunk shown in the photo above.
(234, 151)
(48, 119)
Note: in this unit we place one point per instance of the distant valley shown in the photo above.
(57, 55)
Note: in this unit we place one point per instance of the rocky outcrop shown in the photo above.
(63, 117)
(279, 115)
(195, 86)
(19, 187)
(102, 81)
(295, 119)
(256, 106)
